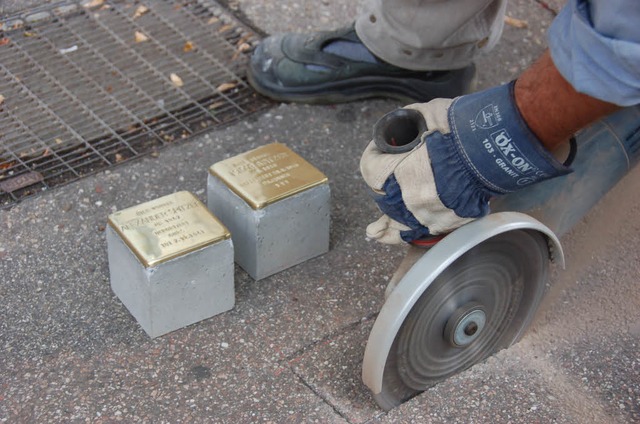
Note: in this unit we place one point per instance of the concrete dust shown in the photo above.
(595, 242)
(573, 397)
(594, 299)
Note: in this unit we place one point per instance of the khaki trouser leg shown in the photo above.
(430, 34)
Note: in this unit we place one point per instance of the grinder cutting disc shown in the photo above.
(480, 304)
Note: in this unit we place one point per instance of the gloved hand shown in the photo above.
(475, 147)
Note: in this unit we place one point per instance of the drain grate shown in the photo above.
(87, 85)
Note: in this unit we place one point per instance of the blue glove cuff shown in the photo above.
(494, 142)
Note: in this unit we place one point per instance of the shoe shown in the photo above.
(294, 68)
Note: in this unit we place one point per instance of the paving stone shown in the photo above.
(168, 383)
(610, 368)
(333, 368)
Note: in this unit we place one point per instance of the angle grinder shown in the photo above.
(475, 291)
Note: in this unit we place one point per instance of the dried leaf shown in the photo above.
(47, 152)
(6, 165)
(58, 141)
(225, 28)
(188, 46)
(216, 105)
(119, 158)
(29, 34)
(140, 37)
(141, 10)
(213, 20)
(176, 80)
(244, 39)
(516, 23)
(93, 3)
(244, 47)
(1, 99)
(226, 86)
(4, 41)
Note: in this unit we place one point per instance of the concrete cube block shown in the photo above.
(276, 205)
(170, 262)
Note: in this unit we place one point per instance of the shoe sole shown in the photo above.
(371, 87)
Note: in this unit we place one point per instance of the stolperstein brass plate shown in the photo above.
(267, 174)
(167, 227)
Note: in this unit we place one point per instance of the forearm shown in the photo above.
(551, 107)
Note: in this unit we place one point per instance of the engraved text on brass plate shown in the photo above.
(267, 174)
(168, 227)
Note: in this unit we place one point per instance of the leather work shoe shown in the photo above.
(294, 68)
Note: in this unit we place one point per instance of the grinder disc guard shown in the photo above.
(478, 305)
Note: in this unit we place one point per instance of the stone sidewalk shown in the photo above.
(291, 349)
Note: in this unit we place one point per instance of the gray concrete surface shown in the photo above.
(291, 349)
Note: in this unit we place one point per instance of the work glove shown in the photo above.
(474, 147)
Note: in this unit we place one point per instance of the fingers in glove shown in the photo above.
(386, 230)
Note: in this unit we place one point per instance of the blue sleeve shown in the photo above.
(596, 46)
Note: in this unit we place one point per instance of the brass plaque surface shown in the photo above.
(267, 174)
(167, 227)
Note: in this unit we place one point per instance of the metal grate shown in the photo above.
(86, 85)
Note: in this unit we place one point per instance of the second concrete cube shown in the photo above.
(276, 206)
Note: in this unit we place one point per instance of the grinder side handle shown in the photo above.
(399, 131)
